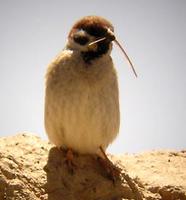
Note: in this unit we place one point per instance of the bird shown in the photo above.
(81, 94)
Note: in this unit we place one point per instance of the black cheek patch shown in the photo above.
(82, 40)
(102, 49)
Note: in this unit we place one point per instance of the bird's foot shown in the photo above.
(69, 160)
(112, 171)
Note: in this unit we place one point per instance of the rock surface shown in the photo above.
(35, 170)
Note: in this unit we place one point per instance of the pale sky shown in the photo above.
(153, 106)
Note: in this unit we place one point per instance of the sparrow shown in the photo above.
(81, 96)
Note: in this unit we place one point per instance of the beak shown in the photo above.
(110, 36)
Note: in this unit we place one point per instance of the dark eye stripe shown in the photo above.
(96, 31)
(80, 39)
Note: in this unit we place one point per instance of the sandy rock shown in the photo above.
(35, 170)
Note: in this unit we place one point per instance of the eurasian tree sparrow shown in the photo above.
(81, 101)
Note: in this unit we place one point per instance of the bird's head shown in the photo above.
(92, 36)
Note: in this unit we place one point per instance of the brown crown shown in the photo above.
(95, 24)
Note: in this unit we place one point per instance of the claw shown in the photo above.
(69, 161)
(112, 171)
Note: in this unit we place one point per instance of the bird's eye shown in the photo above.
(81, 39)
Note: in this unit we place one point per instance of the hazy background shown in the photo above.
(153, 106)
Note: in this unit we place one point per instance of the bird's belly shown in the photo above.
(83, 119)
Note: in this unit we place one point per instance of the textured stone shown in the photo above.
(33, 169)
